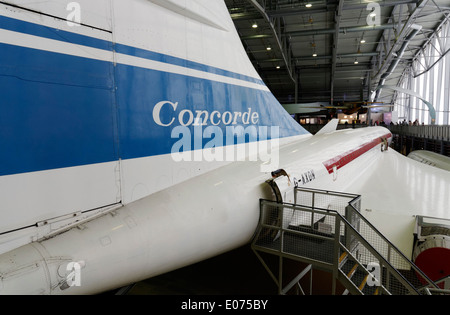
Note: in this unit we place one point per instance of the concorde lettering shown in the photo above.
(186, 117)
(92, 130)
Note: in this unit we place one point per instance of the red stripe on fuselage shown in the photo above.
(351, 155)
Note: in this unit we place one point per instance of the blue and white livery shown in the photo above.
(127, 130)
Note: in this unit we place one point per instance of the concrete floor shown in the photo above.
(238, 272)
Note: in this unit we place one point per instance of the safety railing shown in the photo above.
(325, 229)
(444, 287)
(437, 132)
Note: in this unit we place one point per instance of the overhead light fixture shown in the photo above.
(278, 67)
(269, 48)
(356, 61)
(254, 25)
(314, 55)
(308, 5)
(362, 41)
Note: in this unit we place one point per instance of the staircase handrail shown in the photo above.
(386, 240)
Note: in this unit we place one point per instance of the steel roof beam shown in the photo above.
(331, 7)
(350, 29)
(335, 47)
(385, 3)
(406, 28)
(256, 36)
(298, 11)
(283, 50)
(355, 55)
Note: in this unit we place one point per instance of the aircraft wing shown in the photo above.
(396, 189)
(305, 107)
(431, 158)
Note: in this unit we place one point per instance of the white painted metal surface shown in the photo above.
(395, 189)
(431, 158)
(161, 214)
(194, 220)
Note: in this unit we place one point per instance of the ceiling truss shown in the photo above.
(332, 52)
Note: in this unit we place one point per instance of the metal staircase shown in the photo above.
(326, 231)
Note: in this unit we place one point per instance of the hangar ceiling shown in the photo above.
(335, 51)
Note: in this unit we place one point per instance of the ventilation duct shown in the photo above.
(415, 29)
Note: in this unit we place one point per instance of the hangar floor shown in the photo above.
(238, 272)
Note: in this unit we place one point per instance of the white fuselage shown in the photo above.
(180, 225)
(113, 117)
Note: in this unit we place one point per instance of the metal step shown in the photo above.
(340, 249)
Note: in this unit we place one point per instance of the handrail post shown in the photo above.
(281, 228)
(280, 262)
(337, 234)
(312, 207)
(388, 278)
(351, 241)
